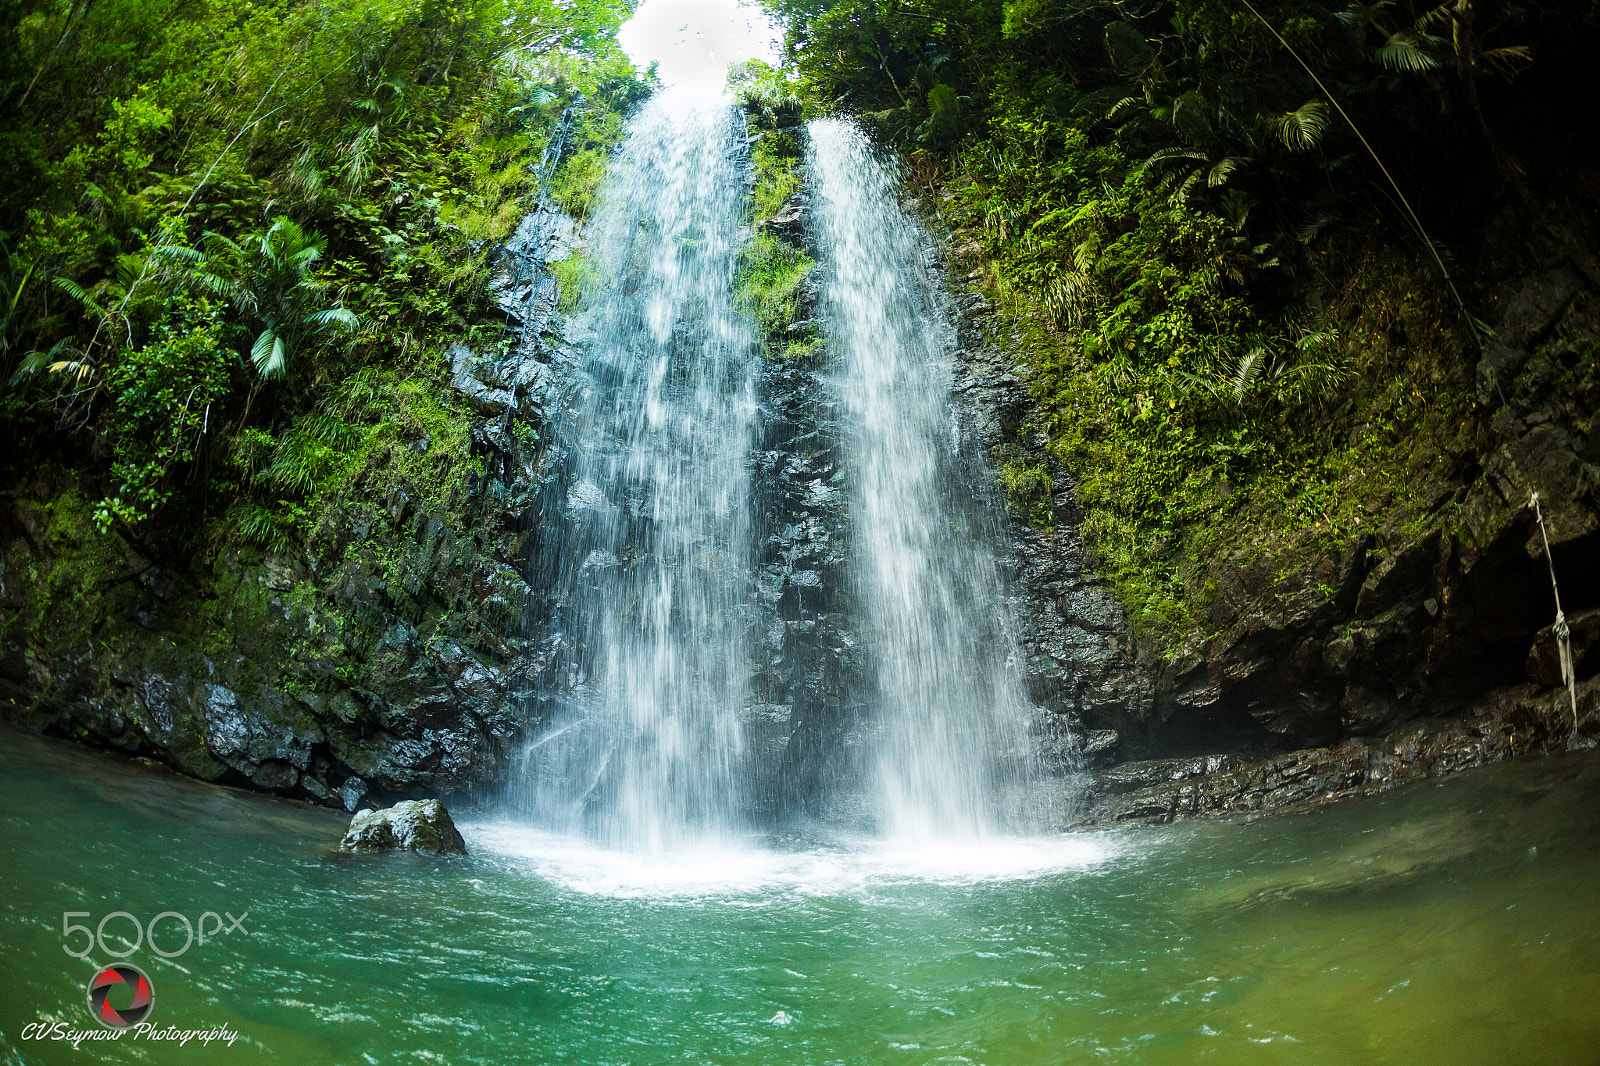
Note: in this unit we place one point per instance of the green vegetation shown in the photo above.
(1026, 482)
(238, 236)
(775, 272)
(1238, 340)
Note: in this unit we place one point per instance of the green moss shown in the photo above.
(576, 277)
(775, 160)
(576, 187)
(771, 276)
(1026, 483)
(1182, 477)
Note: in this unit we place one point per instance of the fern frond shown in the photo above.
(342, 317)
(1248, 370)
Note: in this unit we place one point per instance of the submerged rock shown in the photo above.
(410, 825)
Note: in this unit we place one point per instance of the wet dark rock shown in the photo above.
(1506, 724)
(789, 222)
(410, 825)
(1544, 658)
(352, 793)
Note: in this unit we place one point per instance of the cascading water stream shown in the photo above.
(646, 532)
(952, 740)
(649, 528)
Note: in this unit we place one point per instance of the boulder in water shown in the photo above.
(410, 825)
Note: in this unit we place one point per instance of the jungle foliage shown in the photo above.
(1235, 325)
(237, 235)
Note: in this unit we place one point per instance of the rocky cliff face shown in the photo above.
(386, 659)
(1425, 646)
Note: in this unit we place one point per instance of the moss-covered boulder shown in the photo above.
(410, 825)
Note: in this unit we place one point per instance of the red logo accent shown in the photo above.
(120, 975)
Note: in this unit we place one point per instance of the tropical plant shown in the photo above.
(270, 279)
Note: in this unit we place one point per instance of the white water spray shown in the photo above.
(953, 723)
(648, 548)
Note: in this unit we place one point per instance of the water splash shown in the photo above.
(646, 549)
(952, 738)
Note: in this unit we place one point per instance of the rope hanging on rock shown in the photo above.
(1569, 674)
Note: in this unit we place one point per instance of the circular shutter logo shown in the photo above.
(121, 984)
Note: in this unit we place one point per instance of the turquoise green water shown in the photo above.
(1456, 923)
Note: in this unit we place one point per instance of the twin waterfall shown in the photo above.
(647, 538)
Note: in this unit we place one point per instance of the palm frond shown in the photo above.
(1223, 170)
(1360, 14)
(1302, 129)
(1128, 49)
(342, 317)
(1508, 60)
(1166, 155)
(77, 369)
(78, 293)
(176, 253)
(130, 268)
(1307, 231)
(1410, 53)
(1194, 117)
(36, 362)
(268, 354)
(1124, 108)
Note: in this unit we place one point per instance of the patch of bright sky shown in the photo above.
(696, 41)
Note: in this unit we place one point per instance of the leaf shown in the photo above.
(1193, 116)
(335, 316)
(1167, 154)
(1124, 108)
(1408, 52)
(78, 368)
(1224, 169)
(268, 354)
(1360, 14)
(1248, 371)
(1302, 129)
(78, 293)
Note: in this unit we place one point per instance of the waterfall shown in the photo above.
(655, 609)
(645, 533)
(952, 721)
